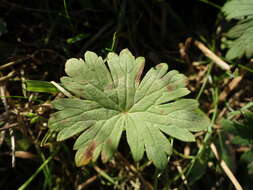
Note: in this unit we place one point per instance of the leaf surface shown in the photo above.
(111, 98)
(241, 34)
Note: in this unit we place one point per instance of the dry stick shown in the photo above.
(6, 65)
(104, 174)
(226, 169)
(65, 92)
(9, 75)
(25, 155)
(87, 182)
(179, 169)
(231, 86)
(13, 147)
(208, 53)
(8, 126)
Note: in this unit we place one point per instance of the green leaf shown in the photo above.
(241, 34)
(236, 9)
(111, 98)
(242, 129)
(246, 157)
(40, 86)
(242, 38)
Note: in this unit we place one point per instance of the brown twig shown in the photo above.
(183, 50)
(25, 155)
(231, 86)
(208, 53)
(180, 170)
(6, 107)
(8, 126)
(8, 76)
(226, 168)
(6, 65)
(87, 182)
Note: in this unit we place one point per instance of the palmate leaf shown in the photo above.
(242, 33)
(111, 98)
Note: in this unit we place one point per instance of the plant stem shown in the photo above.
(27, 182)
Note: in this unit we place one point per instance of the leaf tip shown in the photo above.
(85, 156)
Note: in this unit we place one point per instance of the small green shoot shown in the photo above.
(40, 86)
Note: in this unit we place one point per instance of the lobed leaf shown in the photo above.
(236, 9)
(241, 34)
(111, 98)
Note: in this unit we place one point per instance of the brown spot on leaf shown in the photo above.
(162, 112)
(88, 153)
(138, 76)
(109, 141)
(170, 88)
(104, 155)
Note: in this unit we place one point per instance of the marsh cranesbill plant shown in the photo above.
(111, 96)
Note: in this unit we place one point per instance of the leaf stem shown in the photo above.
(104, 175)
(67, 14)
(182, 155)
(27, 182)
(211, 4)
(205, 81)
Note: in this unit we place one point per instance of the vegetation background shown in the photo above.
(36, 39)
